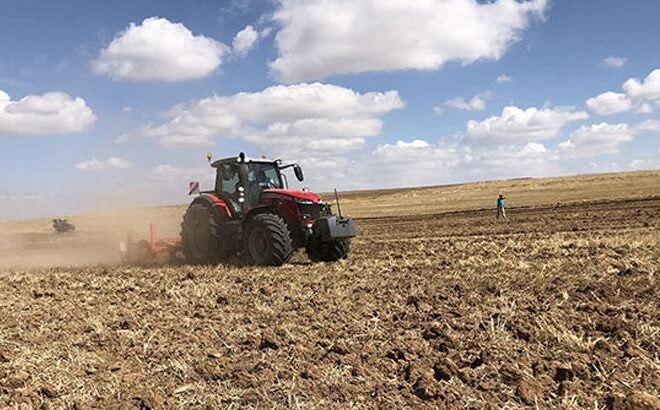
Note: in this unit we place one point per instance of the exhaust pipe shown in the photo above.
(337, 201)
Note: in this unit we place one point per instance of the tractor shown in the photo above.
(252, 213)
(62, 225)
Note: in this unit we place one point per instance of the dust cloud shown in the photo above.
(95, 241)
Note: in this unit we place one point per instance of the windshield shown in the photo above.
(261, 176)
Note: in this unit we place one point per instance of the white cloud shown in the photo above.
(599, 139)
(643, 96)
(609, 103)
(303, 117)
(507, 161)
(476, 103)
(405, 163)
(159, 50)
(648, 126)
(245, 40)
(265, 32)
(103, 165)
(501, 79)
(643, 164)
(599, 167)
(519, 126)
(320, 38)
(613, 61)
(646, 90)
(419, 162)
(323, 173)
(407, 145)
(50, 113)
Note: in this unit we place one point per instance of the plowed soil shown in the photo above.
(555, 308)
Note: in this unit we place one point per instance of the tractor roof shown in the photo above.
(235, 160)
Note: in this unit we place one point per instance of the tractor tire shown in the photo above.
(267, 241)
(329, 251)
(201, 235)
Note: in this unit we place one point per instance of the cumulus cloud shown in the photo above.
(519, 126)
(476, 103)
(404, 163)
(642, 96)
(613, 61)
(245, 40)
(50, 113)
(642, 164)
(597, 139)
(507, 161)
(603, 138)
(304, 117)
(649, 126)
(103, 165)
(420, 162)
(159, 50)
(646, 90)
(609, 103)
(501, 79)
(320, 38)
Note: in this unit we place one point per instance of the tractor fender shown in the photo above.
(213, 202)
(260, 209)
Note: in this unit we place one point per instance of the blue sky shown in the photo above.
(112, 104)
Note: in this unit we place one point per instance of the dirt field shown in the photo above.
(438, 306)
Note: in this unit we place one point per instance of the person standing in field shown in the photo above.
(501, 212)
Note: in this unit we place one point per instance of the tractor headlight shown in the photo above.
(304, 202)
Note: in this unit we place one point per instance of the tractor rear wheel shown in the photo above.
(200, 235)
(328, 251)
(267, 241)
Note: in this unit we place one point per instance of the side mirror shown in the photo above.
(299, 173)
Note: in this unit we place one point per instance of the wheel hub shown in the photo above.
(258, 243)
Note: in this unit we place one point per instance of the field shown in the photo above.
(439, 305)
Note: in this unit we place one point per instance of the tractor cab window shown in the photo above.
(228, 182)
(262, 176)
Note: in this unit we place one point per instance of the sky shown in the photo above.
(115, 104)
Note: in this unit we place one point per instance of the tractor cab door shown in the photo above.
(228, 186)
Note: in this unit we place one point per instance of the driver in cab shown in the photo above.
(259, 181)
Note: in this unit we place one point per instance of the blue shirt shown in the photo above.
(500, 203)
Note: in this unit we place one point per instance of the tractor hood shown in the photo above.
(300, 195)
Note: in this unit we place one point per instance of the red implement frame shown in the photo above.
(149, 251)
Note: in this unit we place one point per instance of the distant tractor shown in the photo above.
(252, 213)
(62, 225)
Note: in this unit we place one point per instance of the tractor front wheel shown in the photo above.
(329, 251)
(267, 241)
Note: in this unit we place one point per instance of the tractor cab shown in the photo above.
(241, 180)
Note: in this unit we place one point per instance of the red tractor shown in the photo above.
(252, 213)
